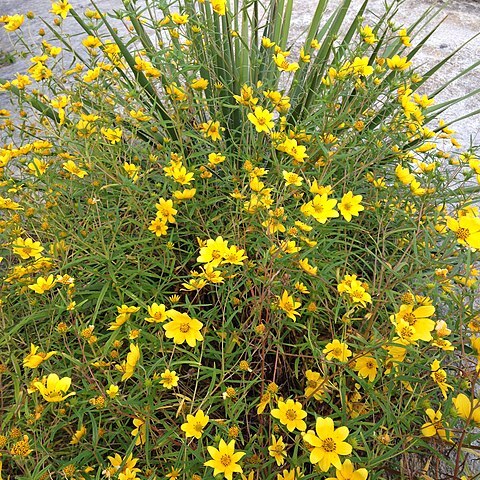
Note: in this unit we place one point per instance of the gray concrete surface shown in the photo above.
(461, 23)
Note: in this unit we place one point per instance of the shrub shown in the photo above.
(223, 260)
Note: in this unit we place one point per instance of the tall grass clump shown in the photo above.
(221, 258)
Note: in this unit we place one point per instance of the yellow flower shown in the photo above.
(78, 435)
(169, 379)
(321, 208)
(128, 367)
(157, 313)
(186, 194)
(439, 376)
(214, 251)
(267, 43)
(27, 248)
(404, 175)
(398, 63)
(179, 19)
(113, 135)
(466, 408)
(61, 8)
(211, 129)
(224, 459)
(314, 385)
(367, 34)
(434, 426)
(328, 443)
(182, 328)
(42, 284)
(165, 210)
(195, 424)
(140, 431)
(215, 158)
(128, 464)
(348, 472)
(131, 170)
(283, 65)
(112, 391)
(466, 229)
(277, 450)
(34, 359)
(288, 304)
(199, 84)
(12, 22)
(366, 366)
(290, 414)
(219, 6)
(262, 120)
(337, 350)
(293, 474)
(71, 167)
(305, 265)
(158, 227)
(292, 178)
(52, 388)
(418, 319)
(350, 205)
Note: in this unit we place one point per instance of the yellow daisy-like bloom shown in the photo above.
(367, 367)
(418, 319)
(348, 472)
(165, 210)
(211, 129)
(157, 313)
(128, 464)
(219, 6)
(466, 229)
(71, 167)
(12, 22)
(290, 414)
(61, 8)
(288, 304)
(337, 350)
(195, 424)
(128, 367)
(283, 65)
(42, 284)
(434, 426)
(466, 408)
(182, 328)
(398, 63)
(321, 208)
(262, 120)
(169, 379)
(439, 376)
(27, 248)
(224, 459)
(179, 19)
(350, 206)
(53, 388)
(328, 443)
(34, 359)
(314, 385)
(292, 178)
(277, 450)
(78, 435)
(214, 251)
(140, 430)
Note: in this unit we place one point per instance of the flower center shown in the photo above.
(312, 384)
(198, 427)
(440, 376)
(410, 318)
(329, 445)
(370, 365)
(291, 414)
(225, 460)
(462, 233)
(184, 327)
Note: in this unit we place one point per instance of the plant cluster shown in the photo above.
(221, 258)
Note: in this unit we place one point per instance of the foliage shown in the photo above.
(223, 258)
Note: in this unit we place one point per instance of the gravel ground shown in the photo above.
(462, 21)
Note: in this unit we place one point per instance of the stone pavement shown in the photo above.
(462, 21)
